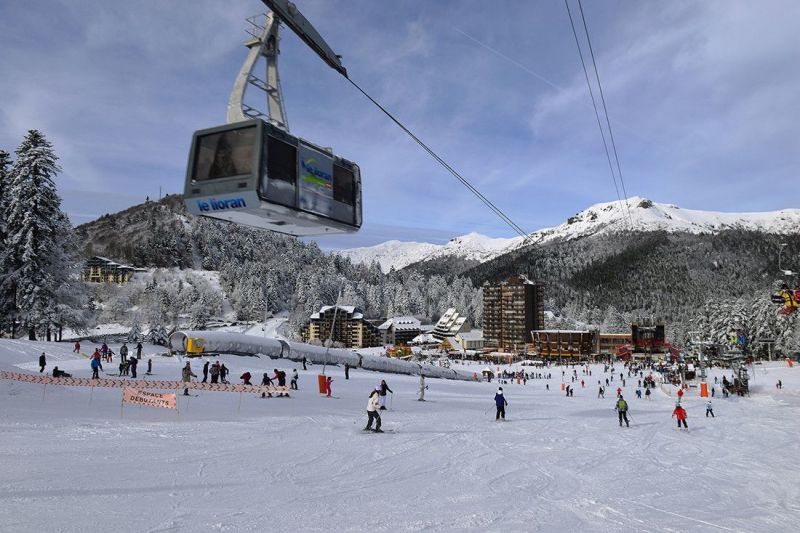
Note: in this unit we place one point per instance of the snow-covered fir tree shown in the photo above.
(6, 294)
(39, 264)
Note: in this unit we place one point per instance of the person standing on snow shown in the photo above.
(372, 411)
(622, 411)
(647, 393)
(500, 402)
(205, 372)
(328, 382)
(186, 377)
(133, 362)
(138, 350)
(215, 372)
(223, 373)
(42, 362)
(77, 347)
(149, 366)
(422, 388)
(680, 414)
(295, 377)
(709, 409)
(601, 392)
(384, 388)
(123, 352)
(280, 375)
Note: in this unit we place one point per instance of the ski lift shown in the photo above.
(788, 297)
(252, 171)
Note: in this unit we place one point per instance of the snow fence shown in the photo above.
(241, 344)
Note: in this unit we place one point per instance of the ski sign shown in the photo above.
(150, 399)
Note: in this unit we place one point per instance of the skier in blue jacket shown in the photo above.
(500, 402)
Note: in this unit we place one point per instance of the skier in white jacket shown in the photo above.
(373, 404)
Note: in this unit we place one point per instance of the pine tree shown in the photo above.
(6, 295)
(35, 269)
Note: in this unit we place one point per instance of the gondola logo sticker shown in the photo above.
(213, 204)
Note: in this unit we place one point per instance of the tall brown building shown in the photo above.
(511, 310)
(350, 328)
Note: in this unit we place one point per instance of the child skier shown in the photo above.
(709, 409)
(622, 411)
(500, 402)
(680, 414)
(384, 388)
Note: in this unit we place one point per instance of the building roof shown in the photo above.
(349, 309)
(473, 335)
(401, 323)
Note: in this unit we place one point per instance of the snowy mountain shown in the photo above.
(637, 214)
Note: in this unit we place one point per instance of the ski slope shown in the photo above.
(303, 463)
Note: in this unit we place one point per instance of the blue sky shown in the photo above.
(702, 98)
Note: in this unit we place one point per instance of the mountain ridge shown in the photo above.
(639, 215)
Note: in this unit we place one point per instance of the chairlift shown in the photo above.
(252, 171)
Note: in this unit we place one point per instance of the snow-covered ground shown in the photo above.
(303, 463)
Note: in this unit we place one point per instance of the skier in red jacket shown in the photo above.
(680, 414)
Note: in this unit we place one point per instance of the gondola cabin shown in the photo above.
(255, 174)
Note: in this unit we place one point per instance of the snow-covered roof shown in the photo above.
(401, 323)
(473, 335)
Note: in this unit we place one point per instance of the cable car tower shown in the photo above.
(252, 171)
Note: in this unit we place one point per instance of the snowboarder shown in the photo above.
(500, 402)
(77, 347)
(295, 377)
(680, 414)
(622, 411)
(138, 350)
(123, 352)
(384, 388)
(205, 372)
(422, 388)
(246, 378)
(60, 373)
(709, 409)
(133, 362)
(328, 382)
(372, 411)
(42, 362)
(186, 377)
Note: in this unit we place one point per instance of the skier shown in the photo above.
(215, 372)
(96, 366)
(372, 411)
(619, 392)
(77, 347)
(123, 352)
(647, 393)
(680, 394)
(265, 381)
(601, 392)
(133, 362)
(384, 388)
(223, 373)
(680, 414)
(639, 393)
(328, 382)
(138, 350)
(246, 378)
(293, 383)
(186, 377)
(422, 388)
(500, 402)
(205, 372)
(280, 375)
(779, 385)
(42, 363)
(104, 350)
(622, 411)
(709, 409)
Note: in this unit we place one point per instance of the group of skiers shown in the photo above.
(219, 372)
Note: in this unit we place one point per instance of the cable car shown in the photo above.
(256, 174)
(252, 171)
